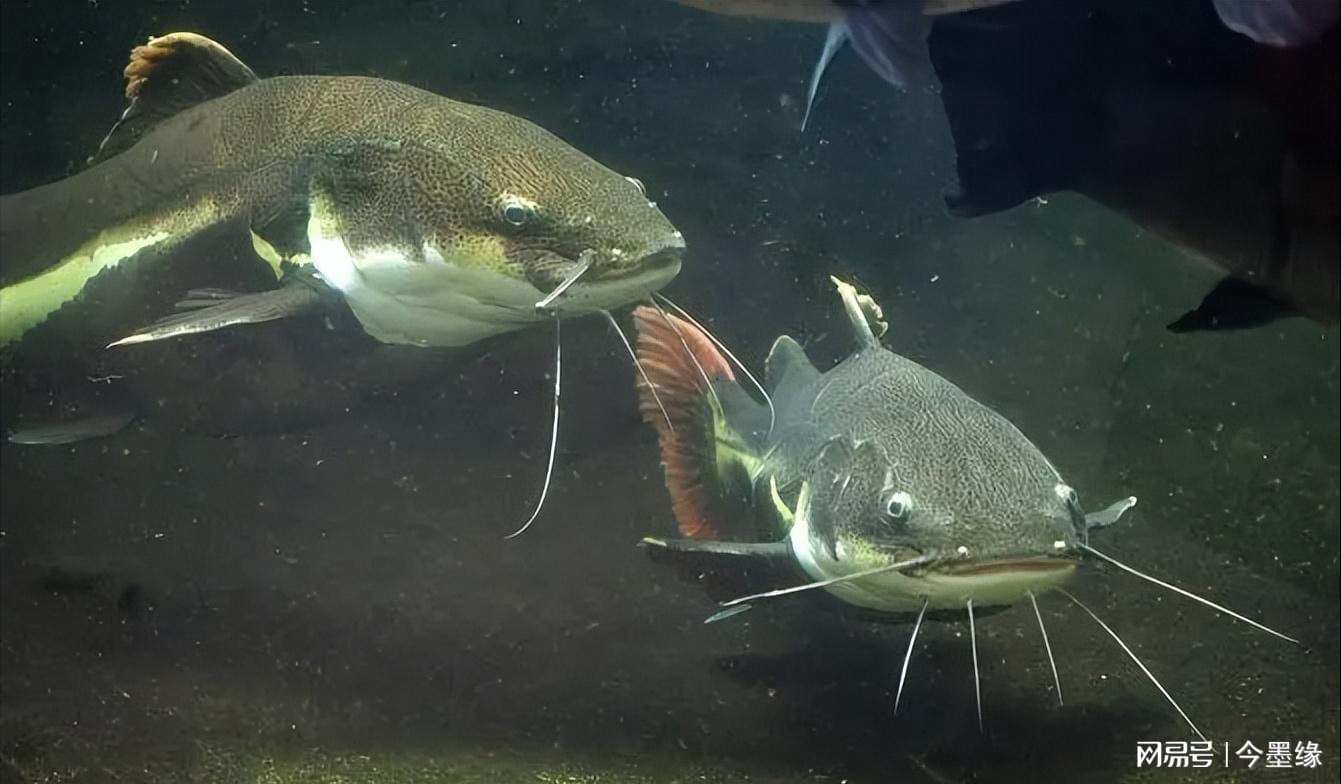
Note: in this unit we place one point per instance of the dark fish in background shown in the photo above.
(1279, 22)
(73, 431)
(1222, 145)
(888, 35)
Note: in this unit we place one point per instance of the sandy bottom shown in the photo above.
(341, 606)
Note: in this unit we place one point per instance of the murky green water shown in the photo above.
(292, 567)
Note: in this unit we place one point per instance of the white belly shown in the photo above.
(433, 302)
(445, 302)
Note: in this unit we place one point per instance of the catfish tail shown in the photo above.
(56, 238)
(686, 369)
(42, 226)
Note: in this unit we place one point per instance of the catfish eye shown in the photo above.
(898, 507)
(637, 183)
(516, 212)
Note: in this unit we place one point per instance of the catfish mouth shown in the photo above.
(1042, 564)
(947, 585)
(666, 260)
(549, 268)
(584, 289)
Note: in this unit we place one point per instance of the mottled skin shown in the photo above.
(879, 424)
(402, 169)
(877, 464)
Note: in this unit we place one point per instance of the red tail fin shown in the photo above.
(687, 452)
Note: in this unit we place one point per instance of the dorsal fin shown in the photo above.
(787, 365)
(166, 75)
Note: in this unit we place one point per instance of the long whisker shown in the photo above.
(638, 364)
(582, 265)
(1047, 647)
(909, 564)
(554, 432)
(977, 681)
(688, 352)
(908, 655)
(772, 412)
(1182, 592)
(1136, 659)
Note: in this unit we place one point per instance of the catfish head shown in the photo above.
(858, 511)
(458, 230)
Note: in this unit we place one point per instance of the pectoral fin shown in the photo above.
(836, 37)
(890, 37)
(1282, 23)
(724, 570)
(863, 313)
(73, 431)
(206, 310)
(714, 548)
(1110, 515)
(730, 612)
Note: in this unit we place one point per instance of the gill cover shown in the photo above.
(844, 499)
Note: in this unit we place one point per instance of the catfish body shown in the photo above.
(437, 222)
(915, 502)
(236, 156)
(876, 462)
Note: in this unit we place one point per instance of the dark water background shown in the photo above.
(292, 568)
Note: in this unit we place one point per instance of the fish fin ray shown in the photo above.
(168, 74)
(219, 309)
(1110, 514)
(890, 38)
(1285, 23)
(73, 431)
(714, 547)
(833, 41)
(723, 569)
(682, 362)
(787, 367)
